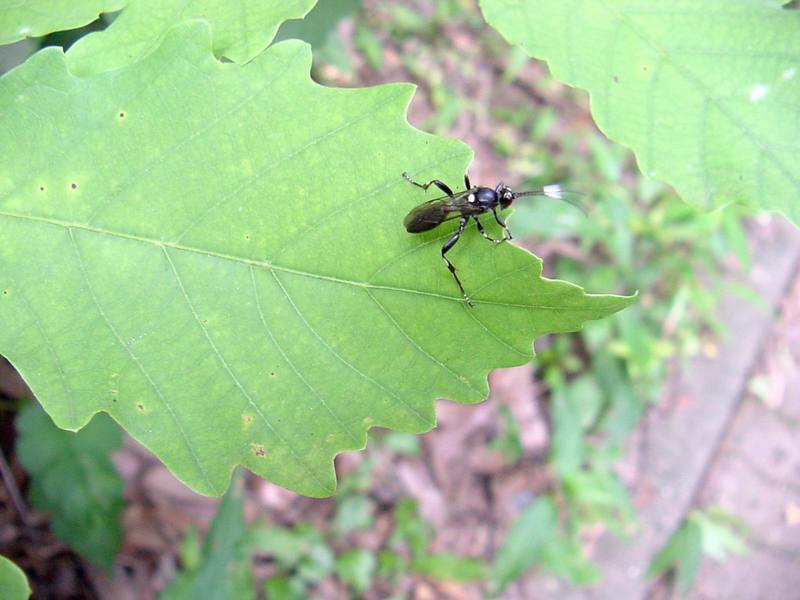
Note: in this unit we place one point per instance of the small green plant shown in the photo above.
(711, 532)
(539, 536)
(218, 569)
(508, 442)
(74, 480)
(302, 556)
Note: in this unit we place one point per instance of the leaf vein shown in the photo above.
(71, 396)
(139, 365)
(235, 379)
(262, 264)
(460, 378)
(423, 420)
(291, 364)
(705, 92)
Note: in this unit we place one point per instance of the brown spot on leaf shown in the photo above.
(259, 450)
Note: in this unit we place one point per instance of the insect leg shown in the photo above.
(484, 234)
(506, 232)
(449, 244)
(442, 186)
(466, 182)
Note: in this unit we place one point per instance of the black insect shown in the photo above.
(471, 203)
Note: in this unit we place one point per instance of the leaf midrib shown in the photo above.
(262, 264)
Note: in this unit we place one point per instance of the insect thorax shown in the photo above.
(486, 197)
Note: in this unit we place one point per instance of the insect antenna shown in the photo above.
(556, 192)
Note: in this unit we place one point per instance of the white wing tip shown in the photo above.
(553, 191)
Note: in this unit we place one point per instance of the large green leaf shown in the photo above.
(73, 478)
(214, 254)
(707, 94)
(32, 18)
(241, 30)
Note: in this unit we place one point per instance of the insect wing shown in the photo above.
(431, 214)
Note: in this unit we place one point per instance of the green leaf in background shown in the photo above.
(34, 18)
(683, 552)
(723, 533)
(712, 532)
(401, 443)
(224, 571)
(319, 28)
(567, 447)
(318, 563)
(563, 556)
(525, 542)
(705, 93)
(353, 512)
(214, 254)
(13, 583)
(509, 441)
(73, 478)
(191, 550)
(411, 528)
(449, 567)
(240, 30)
(356, 568)
(285, 546)
(597, 495)
(369, 45)
(283, 587)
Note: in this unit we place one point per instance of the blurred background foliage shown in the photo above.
(596, 384)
